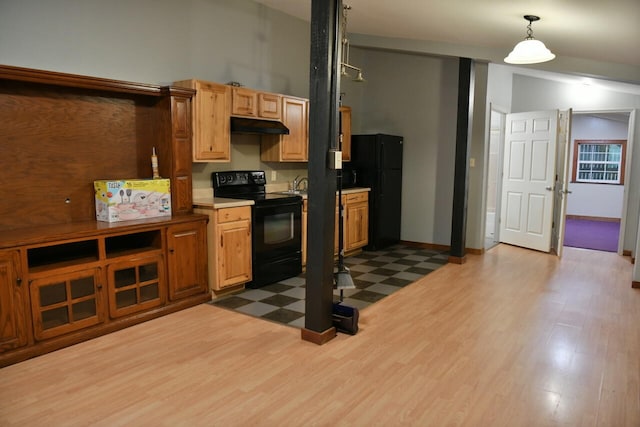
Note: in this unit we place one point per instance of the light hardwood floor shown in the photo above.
(511, 338)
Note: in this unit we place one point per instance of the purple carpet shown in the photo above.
(587, 234)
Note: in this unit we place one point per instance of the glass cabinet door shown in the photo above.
(66, 302)
(135, 285)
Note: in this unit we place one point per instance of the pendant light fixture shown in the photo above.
(530, 50)
(344, 63)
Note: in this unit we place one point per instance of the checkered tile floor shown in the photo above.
(375, 274)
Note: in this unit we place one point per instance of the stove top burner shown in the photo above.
(247, 185)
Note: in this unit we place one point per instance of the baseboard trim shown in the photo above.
(626, 252)
(318, 338)
(635, 285)
(438, 247)
(457, 260)
(594, 218)
(433, 246)
(475, 251)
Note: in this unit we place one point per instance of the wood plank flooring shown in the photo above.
(511, 338)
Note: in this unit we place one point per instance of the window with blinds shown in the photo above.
(599, 161)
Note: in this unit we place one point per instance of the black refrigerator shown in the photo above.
(377, 162)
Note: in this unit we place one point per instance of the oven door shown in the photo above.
(277, 230)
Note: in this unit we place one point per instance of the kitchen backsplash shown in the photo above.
(245, 155)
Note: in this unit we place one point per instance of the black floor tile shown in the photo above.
(283, 315)
(294, 313)
(279, 300)
(231, 302)
(395, 281)
(367, 296)
(276, 287)
(383, 272)
(404, 261)
(373, 263)
(419, 270)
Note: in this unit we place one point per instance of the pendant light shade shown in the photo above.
(530, 50)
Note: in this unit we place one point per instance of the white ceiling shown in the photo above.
(600, 30)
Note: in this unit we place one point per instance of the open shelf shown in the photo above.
(132, 243)
(61, 255)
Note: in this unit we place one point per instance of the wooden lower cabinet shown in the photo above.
(229, 246)
(356, 220)
(136, 284)
(78, 281)
(355, 223)
(66, 302)
(187, 247)
(13, 318)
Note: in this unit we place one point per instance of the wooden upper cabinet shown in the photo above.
(270, 106)
(251, 103)
(244, 102)
(295, 146)
(210, 121)
(345, 135)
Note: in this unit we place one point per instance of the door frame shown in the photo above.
(499, 165)
(627, 175)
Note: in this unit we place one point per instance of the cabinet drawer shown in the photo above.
(233, 214)
(356, 197)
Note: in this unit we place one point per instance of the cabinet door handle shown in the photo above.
(19, 281)
(99, 285)
(171, 250)
(221, 241)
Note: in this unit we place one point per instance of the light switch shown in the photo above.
(472, 162)
(274, 175)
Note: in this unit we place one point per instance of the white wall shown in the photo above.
(161, 41)
(414, 96)
(532, 93)
(595, 200)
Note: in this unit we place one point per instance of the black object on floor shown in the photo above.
(376, 274)
(345, 318)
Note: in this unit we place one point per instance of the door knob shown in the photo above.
(548, 188)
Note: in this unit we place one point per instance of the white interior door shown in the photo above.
(528, 179)
(562, 181)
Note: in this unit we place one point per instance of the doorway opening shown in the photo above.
(494, 177)
(596, 202)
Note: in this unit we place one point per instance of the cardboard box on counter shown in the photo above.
(128, 199)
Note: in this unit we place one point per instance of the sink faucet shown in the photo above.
(297, 181)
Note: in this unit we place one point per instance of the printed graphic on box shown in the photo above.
(129, 199)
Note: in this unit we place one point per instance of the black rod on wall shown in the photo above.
(466, 86)
(323, 135)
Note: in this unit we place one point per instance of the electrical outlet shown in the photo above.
(274, 175)
(472, 162)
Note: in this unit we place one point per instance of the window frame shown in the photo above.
(623, 158)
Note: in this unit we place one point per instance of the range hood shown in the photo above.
(258, 126)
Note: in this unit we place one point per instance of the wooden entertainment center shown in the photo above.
(65, 277)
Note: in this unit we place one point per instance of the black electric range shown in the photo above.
(276, 225)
